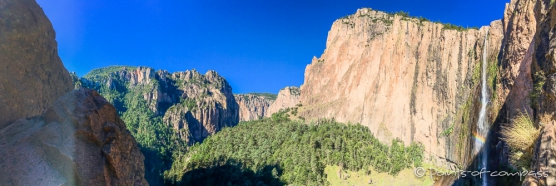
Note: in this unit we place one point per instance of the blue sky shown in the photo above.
(258, 46)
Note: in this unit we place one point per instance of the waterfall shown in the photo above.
(482, 123)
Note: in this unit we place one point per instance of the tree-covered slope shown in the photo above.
(165, 112)
(277, 151)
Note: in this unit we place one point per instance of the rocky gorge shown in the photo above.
(403, 78)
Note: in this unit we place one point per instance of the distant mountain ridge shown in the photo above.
(167, 112)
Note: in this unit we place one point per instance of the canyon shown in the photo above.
(402, 77)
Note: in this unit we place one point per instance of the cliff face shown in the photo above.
(542, 68)
(32, 76)
(252, 107)
(517, 50)
(207, 106)
(403, 78)
(194, 105)
(80, 140)
(287, 97)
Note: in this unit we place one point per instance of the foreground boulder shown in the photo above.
(32, 76)
(80, 140)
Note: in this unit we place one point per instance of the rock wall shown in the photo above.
(543, 92)
(212, 105)
(48, 134)
(403, 78)
(287, 97)
(516, 57)
(252, 107)
(79, 140)
(32, 77)
(193, 104)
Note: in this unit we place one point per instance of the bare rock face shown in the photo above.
(287, 97)
(544, 160)
(543, 93)
(252, 107)
(544, 61)
(403, 78)
(516, 58)
(207, 105)
(79, 140)
(32, 77)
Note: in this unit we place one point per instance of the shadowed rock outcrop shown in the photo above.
(48, 134)
(542, 71)
(79, 140)
(516, 57)
(32, 77)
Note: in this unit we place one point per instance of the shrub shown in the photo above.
(422, 19)
(402, 13)
(520, 136)
(539, 79)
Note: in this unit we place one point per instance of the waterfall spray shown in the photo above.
(482, 123)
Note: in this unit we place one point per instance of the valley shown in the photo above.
(389, 94)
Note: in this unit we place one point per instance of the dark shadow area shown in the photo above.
(155, 165)
(232, 173)
(497, 154)
(495, 147)
(170, 89)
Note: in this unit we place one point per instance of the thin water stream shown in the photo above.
(482, 123)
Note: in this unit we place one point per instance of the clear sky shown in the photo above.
(258, 46)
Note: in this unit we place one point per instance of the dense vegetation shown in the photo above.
(276, 151)
(107, 70)
(158, 142)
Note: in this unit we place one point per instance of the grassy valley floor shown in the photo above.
(404, 177)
